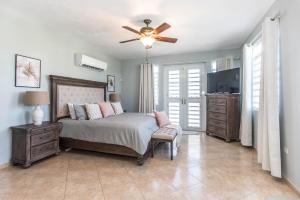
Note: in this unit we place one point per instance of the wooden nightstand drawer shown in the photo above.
(43, 150)
(43, 137)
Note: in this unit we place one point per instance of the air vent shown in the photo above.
(89, 62)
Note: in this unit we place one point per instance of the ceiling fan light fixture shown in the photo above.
(147, 41)
(148, 35)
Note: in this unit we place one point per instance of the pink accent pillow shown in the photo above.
(162, 119)
(106, 109)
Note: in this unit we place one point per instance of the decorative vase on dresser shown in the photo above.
(223, 115)
(31, 143)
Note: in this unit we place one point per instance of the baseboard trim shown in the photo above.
(292, 185)
(3, 166)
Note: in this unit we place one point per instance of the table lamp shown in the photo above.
(114, 97)
(37, 98)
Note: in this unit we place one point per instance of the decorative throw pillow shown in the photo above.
(106, 109)
(80, 112)
(93, 111)
(162, 119)
(117, 107)
(71, 111)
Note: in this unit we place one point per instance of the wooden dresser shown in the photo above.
(223, 115)
(31, 143)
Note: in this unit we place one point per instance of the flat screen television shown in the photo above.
(227, 81)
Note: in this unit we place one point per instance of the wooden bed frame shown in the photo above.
(85, 145)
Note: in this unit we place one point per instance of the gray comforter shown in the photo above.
(132, 130)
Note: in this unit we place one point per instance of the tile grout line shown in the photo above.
(135, 183)
(67, 178)
(27, 189)
(99, 179)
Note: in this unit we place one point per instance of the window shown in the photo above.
(256, 71)
(194, 83)
(194, 91)
(174, 92)
(214, 66)
(156, 84)
(174, 112)
(174, 83)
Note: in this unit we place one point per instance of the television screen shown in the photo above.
(224, 81)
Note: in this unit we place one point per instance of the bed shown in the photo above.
(128, 134)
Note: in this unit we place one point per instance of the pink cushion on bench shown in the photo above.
(162, 119)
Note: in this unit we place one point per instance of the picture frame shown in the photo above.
(27, 71)
(111, 83)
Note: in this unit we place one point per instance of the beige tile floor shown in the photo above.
(205, 168)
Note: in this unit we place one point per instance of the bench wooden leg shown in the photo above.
(171, 150)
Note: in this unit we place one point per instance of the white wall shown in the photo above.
(290, 73)
(25, 36)
(130, 72)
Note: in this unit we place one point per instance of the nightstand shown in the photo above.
(31, 143)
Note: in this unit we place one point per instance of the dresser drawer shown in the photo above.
(212, 101)
(43, 137)
(221, 101)
(217, 109)
(216, 130)
(218, 123)
(44, 129)
(43, 150)
(218, 116)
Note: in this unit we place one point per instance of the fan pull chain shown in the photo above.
(147, 56)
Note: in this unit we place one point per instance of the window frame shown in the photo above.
(257, 41)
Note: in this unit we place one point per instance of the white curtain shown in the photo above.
(146, 100)
(268, 148)
(246, 115)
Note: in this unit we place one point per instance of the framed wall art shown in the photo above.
(111, 83)
(28, 72)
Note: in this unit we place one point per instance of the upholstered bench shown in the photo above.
(164, 134)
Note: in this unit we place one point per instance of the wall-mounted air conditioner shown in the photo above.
(89, 62)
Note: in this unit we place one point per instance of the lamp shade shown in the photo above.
(114, 97)
(36, 98)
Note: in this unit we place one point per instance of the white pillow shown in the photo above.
(71, 111)
(117, 107)
(93, 111)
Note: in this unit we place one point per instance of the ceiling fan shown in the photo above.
(149, 35)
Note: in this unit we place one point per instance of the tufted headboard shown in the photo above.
(71, 90)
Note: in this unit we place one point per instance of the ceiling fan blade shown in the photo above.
(131, 29)
(166, 39)
(129, 40)
(162, 28)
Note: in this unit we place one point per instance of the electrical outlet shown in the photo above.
(286, 150)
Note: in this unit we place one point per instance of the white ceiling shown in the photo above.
(199, 25)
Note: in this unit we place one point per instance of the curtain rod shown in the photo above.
(184, 63)
(277, 16)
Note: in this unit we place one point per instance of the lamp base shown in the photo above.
(37, 116)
